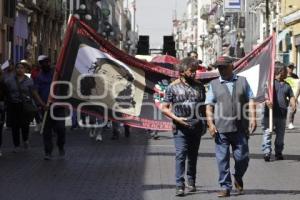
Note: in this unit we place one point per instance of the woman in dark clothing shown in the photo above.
(2, 113)
(18, 89)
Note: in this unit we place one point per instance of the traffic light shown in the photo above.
(169, 46)
(143, 45)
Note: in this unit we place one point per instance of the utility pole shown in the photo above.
(277, 27)
(267, 18)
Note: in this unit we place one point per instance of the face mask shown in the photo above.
(189, 79)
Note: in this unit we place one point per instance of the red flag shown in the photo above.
(257, 67)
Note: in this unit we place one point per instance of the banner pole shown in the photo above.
(43, 122)
(271, 120)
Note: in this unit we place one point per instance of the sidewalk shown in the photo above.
(137, 168)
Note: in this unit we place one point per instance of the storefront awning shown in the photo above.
(291, 17)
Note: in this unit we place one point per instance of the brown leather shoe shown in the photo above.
(239, 186)
(224, 193)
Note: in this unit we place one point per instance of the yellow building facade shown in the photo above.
(290, 12)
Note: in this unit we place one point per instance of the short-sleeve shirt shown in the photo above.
(43, 84)
(281, 98)
(13, 92)
(210, 98)
(186, 99)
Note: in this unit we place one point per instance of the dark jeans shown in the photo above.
(279, 129)
(18, 123)
(239, 143)
(57, 126)
(74, 120)
(187, 142)
(1, 129)
(2, 120)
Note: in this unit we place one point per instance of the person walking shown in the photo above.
(226, 101)
(2, 109)
(43, 84)
(184, 104)
(19, 89)
(282, 97)
(293, 80)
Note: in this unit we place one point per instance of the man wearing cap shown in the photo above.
(27, 66)
(226, 104)
(43, 83)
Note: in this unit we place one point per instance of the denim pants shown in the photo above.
(239, 143)
(187, 144)
(279, 129)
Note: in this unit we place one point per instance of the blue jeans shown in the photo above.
(279, 129)
(239, 143)
(187, 144)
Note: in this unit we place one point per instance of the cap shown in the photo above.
(5, 65)
(24, 62)
(223, 61)
(42, 57)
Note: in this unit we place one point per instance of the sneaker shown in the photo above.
(291, 126)
(99, 137)
(47, 156)
(191, 186)
(267, 157)
(224, 193)
(179, 191)
(279, 156)
(155, 136)
(239, 185)
(92, 133)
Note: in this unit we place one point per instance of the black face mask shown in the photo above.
(188, 79)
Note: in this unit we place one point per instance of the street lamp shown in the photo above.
(107, 30)
(223, 28)
(98, 20)
(83, 14)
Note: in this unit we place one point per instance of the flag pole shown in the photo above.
(43, 122)
(271, 120)
(272, 83)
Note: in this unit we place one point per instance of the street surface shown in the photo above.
(137, 168)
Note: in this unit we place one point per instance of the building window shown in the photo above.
(9, 8)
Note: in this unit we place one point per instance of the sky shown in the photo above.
(154, 18)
